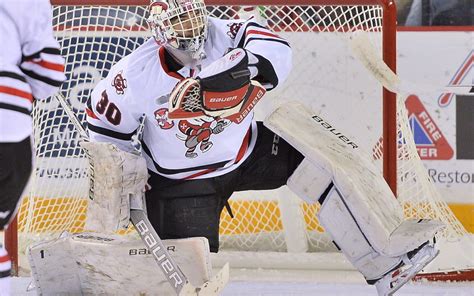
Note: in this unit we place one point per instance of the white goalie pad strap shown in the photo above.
(117, 175)
(309, 181)
(366, 194)
(99, 264)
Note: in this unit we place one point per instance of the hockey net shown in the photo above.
(95, 34)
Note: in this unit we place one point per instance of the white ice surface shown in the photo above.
(240, 288)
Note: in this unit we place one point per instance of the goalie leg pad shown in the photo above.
(309, 181)
(366, 195)
(312, 183)
(339, 222)
(99, 264)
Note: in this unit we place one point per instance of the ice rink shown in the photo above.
(267, 288)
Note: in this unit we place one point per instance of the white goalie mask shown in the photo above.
(180, 24)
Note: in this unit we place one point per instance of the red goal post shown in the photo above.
(39, 214)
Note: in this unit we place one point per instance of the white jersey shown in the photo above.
(141, 83)
(31, 66)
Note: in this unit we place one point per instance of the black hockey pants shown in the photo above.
(190, 208)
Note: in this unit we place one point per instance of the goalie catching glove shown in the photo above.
(224, 89)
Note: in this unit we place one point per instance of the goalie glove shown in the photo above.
(223, 89)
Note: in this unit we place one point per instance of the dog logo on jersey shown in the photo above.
(161, 116)
(233, 29)
(198, 132)
(119, 83)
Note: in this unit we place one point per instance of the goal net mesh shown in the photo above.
(325, 76)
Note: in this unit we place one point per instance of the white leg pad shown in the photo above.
(99, 264)
(339, 223)
(409, 234)
(309, 181)
(366, 195)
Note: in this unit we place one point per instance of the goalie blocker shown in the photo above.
(358, 209)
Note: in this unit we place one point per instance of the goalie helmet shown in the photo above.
(180, 24)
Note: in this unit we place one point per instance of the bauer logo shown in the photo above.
(145, 251)
(430, 142)
(159, 253)
(335, 132)
(220, 100)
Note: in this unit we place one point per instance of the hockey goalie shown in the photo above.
(196, 83)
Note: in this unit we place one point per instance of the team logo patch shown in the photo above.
(119, 83)
(233, 29)
(197, 133)
(161, 116)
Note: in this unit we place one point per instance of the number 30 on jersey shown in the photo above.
(112, 113)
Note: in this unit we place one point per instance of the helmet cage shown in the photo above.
(181, 24)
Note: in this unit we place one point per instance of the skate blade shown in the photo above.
(404, 278)
(210, 288)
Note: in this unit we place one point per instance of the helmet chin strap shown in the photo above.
(187, 58)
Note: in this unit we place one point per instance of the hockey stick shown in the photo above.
(150, 238)
(154, 244)
(83, 135)
(365, 51)
(170, 269)
(67, 108)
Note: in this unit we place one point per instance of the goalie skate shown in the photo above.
(411, 264)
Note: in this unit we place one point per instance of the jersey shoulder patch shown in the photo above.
(224, 31)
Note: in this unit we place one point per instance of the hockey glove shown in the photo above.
(223, 89)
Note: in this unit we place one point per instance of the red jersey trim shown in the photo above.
(244, 146)
(199, 174)
(49, 65)
(4, 258)
(256, 32)
(16, 92)
(176, 75)
(91, 114)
